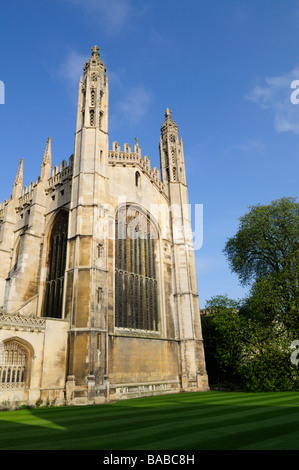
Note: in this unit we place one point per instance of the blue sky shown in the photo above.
(224, 68)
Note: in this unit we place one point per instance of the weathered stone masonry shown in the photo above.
(98, 290)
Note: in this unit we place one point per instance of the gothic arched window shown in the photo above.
(56, 260)
(136, 273)
(14, 359)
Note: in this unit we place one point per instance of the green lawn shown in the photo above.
(195, 421)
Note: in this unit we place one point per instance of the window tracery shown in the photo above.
(136, 278)
(13, 365)
(56, 267)
(92, 97)
(91, 117)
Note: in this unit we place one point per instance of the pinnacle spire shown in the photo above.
(169, 124)
(19, 176)
(95, 51)
(168, 117)
(168, 113)
(18, 184)
(47, 160)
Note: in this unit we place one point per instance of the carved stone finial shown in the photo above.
(47, 160)
(136, 141)
(168, 113)
(19, 177)
(95, 51)
(169, 124)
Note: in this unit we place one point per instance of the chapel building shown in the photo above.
(98, 289)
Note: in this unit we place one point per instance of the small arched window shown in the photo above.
(137, 179)
(91, 112)
(16, 257)
(92, 97)
(174, 173)
(167, 174)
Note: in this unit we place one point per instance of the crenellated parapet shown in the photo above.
(60, 175)
(23, 196)
(3, 208)
(26, 198)
(127, 157)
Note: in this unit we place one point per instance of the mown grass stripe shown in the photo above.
(181, 421)
(216, 397)
(185, 436)
(158, 431)
(229, 435)
(284, 441)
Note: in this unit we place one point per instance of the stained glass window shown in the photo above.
(136, 274)
(56, 267)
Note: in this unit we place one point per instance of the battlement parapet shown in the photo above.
(127, 157)
(60, 177)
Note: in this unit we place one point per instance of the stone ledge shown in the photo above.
(17, 321)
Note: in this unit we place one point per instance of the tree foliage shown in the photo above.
(245, 350)
(250, 342)
(265, 254)
(222, 332)
(267, 242)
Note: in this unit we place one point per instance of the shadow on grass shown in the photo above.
(190, 421)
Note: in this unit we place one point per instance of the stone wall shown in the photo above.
(46, 343)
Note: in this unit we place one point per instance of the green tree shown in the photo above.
(266, 349)
(265, 255)
(222, 332)
(250, 342)
(246, 349)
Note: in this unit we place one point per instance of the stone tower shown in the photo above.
(185, 282)
(86, 276)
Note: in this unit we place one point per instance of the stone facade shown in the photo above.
(98, 290)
